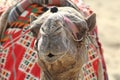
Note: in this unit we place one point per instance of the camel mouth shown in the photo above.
(52, 58)
(50, 55)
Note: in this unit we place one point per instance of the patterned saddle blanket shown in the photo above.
(18, 59)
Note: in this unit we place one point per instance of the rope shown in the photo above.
(13, 40)
(11, 44)
(13, 56)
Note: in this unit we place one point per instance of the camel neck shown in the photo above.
(68, 75)
(62, 72)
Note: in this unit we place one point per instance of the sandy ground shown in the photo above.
(108, 20)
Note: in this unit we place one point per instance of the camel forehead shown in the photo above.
(62, 11)
(50, 21)
(50, 18)
(53, 19)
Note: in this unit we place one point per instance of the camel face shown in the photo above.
(58, 33)
(55, 41)
(61, 42)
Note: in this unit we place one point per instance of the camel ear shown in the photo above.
(32, 17)
(91, 21)
(34, 25)
(35, 30)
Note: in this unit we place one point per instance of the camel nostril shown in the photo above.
(50, 55)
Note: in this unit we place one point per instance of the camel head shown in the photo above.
(58, 36)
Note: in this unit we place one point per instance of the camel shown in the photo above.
(61, 37)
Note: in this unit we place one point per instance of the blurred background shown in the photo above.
(108, 21)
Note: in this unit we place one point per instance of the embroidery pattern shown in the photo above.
(4, 74)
